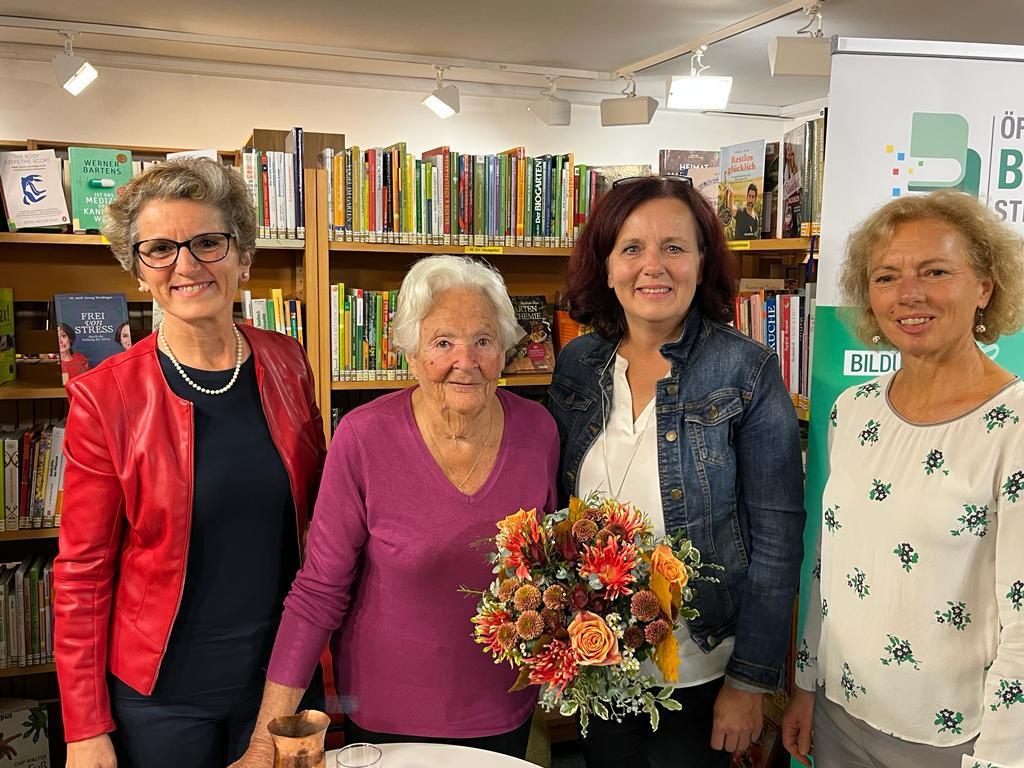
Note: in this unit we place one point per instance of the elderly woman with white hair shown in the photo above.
(413, 480)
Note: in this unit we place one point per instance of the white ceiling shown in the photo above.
(601, 36)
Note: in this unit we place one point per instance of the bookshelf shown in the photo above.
(38, 265)
(527, 270)
(32, 669)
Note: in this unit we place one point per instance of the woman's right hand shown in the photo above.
(260, 754)
(797, 724)
(97, 752)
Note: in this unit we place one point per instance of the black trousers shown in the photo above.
(683, 738)
(512, 743)
(210, 729)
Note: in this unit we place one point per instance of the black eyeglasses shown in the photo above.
(670, 177)
(160, 253)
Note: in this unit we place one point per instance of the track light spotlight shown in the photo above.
(630, 109)
(74, 73)
(550, 108)
(444, 101)
(697, 91)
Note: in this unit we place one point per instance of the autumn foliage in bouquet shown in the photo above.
(583, 596)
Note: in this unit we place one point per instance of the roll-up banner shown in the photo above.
(905, 117)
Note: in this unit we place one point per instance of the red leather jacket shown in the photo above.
(124, 536)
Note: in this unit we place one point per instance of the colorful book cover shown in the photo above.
(33, 191)
(740, 190)
(535, 352)
(7, 370)
(700, 165)
(96, 175)
(794, 193)
(89, 329)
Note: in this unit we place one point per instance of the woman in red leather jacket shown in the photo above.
(192, 460)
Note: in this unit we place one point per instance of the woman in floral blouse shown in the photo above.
(916, 646)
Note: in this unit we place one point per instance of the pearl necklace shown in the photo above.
(204, 390)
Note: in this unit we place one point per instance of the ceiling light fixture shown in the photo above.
(809, 55)
(698, 91)
(74, 73)
(444, 101)
(630, 109)
(551, 109)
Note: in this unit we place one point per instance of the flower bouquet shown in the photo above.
(583, 596)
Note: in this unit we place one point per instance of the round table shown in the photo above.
(440, 756)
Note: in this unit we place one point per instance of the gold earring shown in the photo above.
(980, 327)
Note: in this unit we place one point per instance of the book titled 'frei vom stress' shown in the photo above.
(95, 176)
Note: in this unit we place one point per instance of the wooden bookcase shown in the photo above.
(530, 270)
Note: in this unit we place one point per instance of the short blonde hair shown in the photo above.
(189, 178)
(994, 250)
(431, 276)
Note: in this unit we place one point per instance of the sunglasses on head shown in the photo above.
(671, 177)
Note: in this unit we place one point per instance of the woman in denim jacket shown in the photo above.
(668, 407)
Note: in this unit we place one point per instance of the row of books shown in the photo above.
(782, 320)
(362, 338)
(26, 612)
(748, 183)
(33, 477)
(277, 188)
(41, 190)
(385, 194)
(274, 314)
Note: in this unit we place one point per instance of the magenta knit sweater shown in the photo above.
(391, 542)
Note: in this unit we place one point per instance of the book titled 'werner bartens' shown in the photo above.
(90, 328)
(32, 190)
(95, 177)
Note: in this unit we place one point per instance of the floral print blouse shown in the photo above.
(916, 619)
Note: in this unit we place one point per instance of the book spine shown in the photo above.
(4, 629)
(39, 478)
(11, 485)
(53, 475)
(21, 600)
(794, 344)
(335, 348)
(264, 195)
(291, 197)
(247, 306)
(281, 322)
(300, 185)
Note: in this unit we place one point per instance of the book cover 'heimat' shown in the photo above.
(90, 328)
(32, 190)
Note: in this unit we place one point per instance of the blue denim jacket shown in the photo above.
(731, 477)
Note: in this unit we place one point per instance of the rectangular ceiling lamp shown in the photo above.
(699, 92)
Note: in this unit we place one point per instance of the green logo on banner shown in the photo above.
(937, 136)
(944, 136)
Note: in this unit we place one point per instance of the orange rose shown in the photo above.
(669, 566)
(592, 640)
(520, 521)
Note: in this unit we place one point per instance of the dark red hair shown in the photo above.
(590, 299)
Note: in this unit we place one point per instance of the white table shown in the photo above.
(440, 756)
